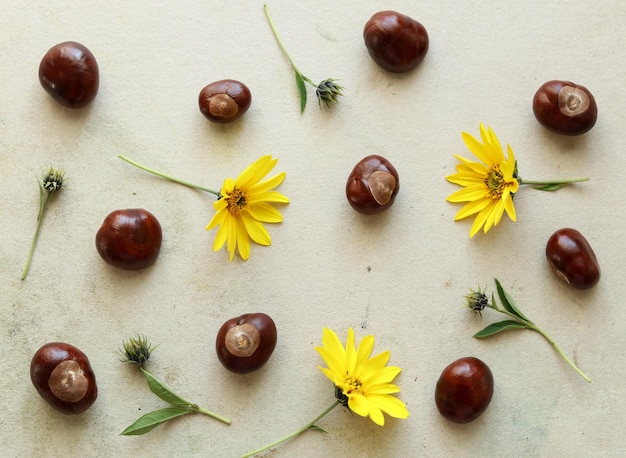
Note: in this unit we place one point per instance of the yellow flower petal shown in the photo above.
(376, 415)
(359, 405)
(390, 405)
(256, 230)
(263, 212)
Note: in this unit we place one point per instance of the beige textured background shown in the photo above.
(400, 275)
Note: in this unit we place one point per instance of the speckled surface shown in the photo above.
(400, 275)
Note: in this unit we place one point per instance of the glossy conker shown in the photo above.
(372, 185)
(69, 73)
(571, 257)
(464, 390)
(245, 343)
(63, 377)
(565, 107)
(129, 239)
(395, 41)
(224, 101)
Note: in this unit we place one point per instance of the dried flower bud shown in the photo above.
(52, 180)
(137, 350)
(477, 301)
(328, 92)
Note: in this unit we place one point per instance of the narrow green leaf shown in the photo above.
(317, 428)
(153, 419)
(507, 302)
(301, 91)
(550, 187)
(500, 326)
(163, 391)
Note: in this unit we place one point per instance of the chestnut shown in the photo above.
(129, 239)
(572, 259)
(395, 41)
(464, 390)
(245, 343)
(565, 107)
(63, 377)
(372, 185)
(224, 101)
(69, 73)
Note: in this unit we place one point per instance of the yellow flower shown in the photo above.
(362, 384)
(489, 185)
(244, 205)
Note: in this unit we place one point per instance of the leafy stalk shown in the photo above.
(550, 186)
(51, 182)
(309, 426)
(327, 92)
(476, 302)
(180, 407)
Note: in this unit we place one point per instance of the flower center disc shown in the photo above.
(236, 202)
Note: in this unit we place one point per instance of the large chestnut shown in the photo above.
(69, 73)
(395, 41)
(372, 185)
(63, 377)
(572, 259)
(129, 239)
(245, 343)
(224, 101)
(565, 107)
(464, 390)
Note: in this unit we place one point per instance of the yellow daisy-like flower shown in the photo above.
(244, 205)
(488, 185)
(362, 384)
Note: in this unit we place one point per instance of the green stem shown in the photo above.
(294, 434)
(558, 349)
(211, 414)
(552, 182)
(530, 325)
(282, 47)
(43, 203)
(168, 177)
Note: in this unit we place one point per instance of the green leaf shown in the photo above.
(153, 419)
(550, 187)
(507, 302)
(163, 391)
(301, 90)
(317, 428)
(500, 326)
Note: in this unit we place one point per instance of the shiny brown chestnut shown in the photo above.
(572, 259)
(129, 239)
(63, 377)
(69, 73)
(245, 343)
(224, 101)
(372, 185)
(464, 390)
(395, 41)
(565, 108)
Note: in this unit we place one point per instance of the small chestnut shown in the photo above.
(224, 101)
(372, 185)
(129, 239)
(565, 108)
(395, 41)
(572, 259)
(245, 343)
(63, 377)
(69, 73)
(464, 390)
